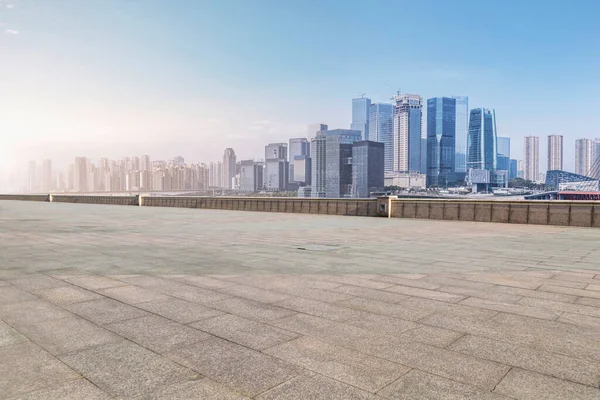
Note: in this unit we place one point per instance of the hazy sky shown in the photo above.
(176, 77)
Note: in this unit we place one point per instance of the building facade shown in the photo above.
(482, 150)
(531, 158)
(555, 152)
(229, 162)
(276, 167)
(368, 159)
(441, 140)
(297, 147)
(504, 146)
(360, 116)
(338, 162)
(381, 129)
(462, 131)
(408, 116)
(584, 156)
(302, 170)
(80, 175)
(251, 176)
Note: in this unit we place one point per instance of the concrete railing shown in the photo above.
(113, 200)
(556, 212)
(355, 207)
(25, 197)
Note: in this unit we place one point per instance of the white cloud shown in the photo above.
(11, 32)
(9, 5)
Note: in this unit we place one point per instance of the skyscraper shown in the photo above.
(482, 145)
(504, 146)
(228, 168)
(462, 131)
(441, 140)
(318, 146)
(338, 162)
(47, 176)
(298, 147)
(276, 166)
(381, 129)
(555, 152)
(584, 156)
(531, 157)
(251, 176)
(408, 115)
(367, 168)
(145, 163)
(313, 129)
(80, 175)
(360, 116)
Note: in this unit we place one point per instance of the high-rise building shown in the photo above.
(482, 149)
(504, 146)
(318, 146)
(381, 129)
(251, 176)
(408, 115)
(423, 156)
(276, 167)
(313, 129)
(178, 160)
(462, 131)
(367, 168)
(584, 156)
(441, 140)
(555, 152)
(228, 168)
(302, 170)
(360, 116)
(338, 162)
(80, 175)
(512, 169)
(215, 174)
(531, 158)
(145, 163)
(47, 176)
(298, 147)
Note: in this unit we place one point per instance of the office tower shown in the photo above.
(482, 140)
(215, 174)
(423, 156)
(520, 169)
(381, 129)
(80, 174)
(145, 164)
(318, 146)
(47, 176)
(512, 169)
(338, 162)
(228, 168)
(276, 166)
(408, 115)
(178, 160)
(298, 147)
(135, 163)
(504, 146)
(313, 129)
(31, 177)
(367, 168)
(555, 152)
(251, 176)
(302, 170)
(531, 158)
(360, 116)
(462, 131)
(441, 140)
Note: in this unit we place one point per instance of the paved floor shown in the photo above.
(100, 302)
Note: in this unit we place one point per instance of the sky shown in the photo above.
(120, 78)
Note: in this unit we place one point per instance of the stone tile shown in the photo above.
(65, 335)
(73, 390)
(26, 367)
(536, 294)
(387, 309)
(9, 336)
(588, 302)
(430, 335)
(325, 310)
(419, 385)
(482, 294)
(454, 281)
(251, 309)
(157, 334)
(560, 306)
(497, 279)
(572, 291)
(66, 295)
(126, 370)
(240, 368)
(207, 282)
(326, 296)
(512, 308)
(31, 311)
(427, 294)
(583, 321)
(557, 365)
(593, 287)
(196, 389)
(382, 323)
(399, 280)
(132, 294)
(11, 294)
(357, 281)
(527, 385)
(371, 294)
(246, 332)
(36, 282)
(459, 310)
(348, 366)
(256, 294)
(95, 282)
(315, 387)
(105, 311)
(179, 310)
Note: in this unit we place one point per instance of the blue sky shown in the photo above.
(126, 77)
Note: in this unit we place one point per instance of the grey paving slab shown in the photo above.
(315, 387)
(561, 306)
(370, 294)
(326, 310)
(256, 294)
(11, 294)
(26, 367)
(94, 282)
(9, 336)
(251, 309)
(73, 390)
(527, 385)
(207, 282)
(196, 389)
(511, 308)
(66, 295)
(105, 311)
(580, 320)
(31, 311)
(428, 294)
(132, 294)
(126, 370)
(419, 385)
(36, 282)
(157, 333)
(179, 310)
(238, 367)
(246, 332)
(348, 366)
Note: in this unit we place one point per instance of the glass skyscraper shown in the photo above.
(462, 130)
(504, 146)
(441, 140)
(367, 168)
(360, 116)
(338, 162)
(381, 129)
(482, 146)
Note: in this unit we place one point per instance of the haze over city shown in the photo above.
(190, 78)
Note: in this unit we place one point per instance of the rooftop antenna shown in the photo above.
(397, 94)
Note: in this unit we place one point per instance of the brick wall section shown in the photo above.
(25, 197)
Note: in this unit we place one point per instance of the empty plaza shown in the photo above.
(125, 302)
